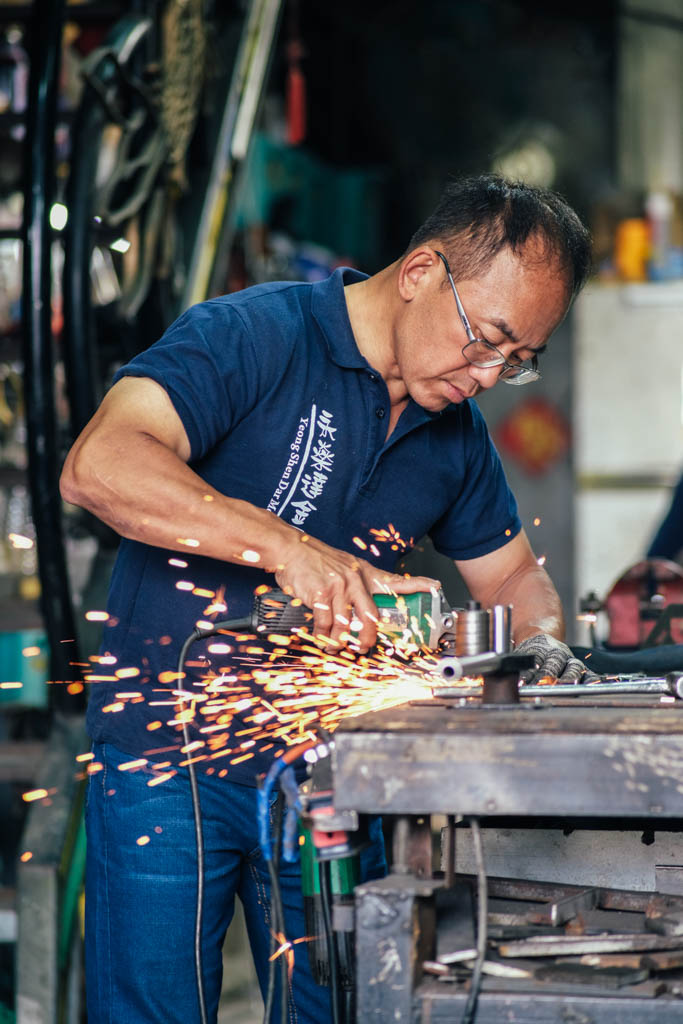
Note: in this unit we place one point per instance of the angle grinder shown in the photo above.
(423, 617)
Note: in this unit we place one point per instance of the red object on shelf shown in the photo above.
(296, 95)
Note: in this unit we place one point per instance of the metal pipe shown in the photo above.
(670, 685)
(501, 632)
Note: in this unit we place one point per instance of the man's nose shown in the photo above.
(485, 377)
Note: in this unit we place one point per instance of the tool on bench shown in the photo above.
(670, 685)
(452, 669)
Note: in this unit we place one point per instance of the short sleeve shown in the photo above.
(206, 363)
(483, 516)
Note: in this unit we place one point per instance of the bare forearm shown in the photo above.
(147, 493)
(536, 606)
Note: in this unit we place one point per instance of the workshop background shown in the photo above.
(149, 163)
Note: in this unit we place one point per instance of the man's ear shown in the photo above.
(416, 271)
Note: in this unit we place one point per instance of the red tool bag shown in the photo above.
(637, 604)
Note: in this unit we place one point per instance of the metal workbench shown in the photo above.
(616, 762)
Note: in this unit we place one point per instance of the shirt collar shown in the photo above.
(328, 306)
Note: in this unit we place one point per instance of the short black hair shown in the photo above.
(477, 217)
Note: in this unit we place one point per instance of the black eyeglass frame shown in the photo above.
(529, 373)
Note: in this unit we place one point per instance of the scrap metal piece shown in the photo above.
(670, 925)
(432, 967)
(459, 956)
(666, 960)
(497, 970)
(564, 909)
(467, 958)
(582, 974)
(577, 945)
(669, 960)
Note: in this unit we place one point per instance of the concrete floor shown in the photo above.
(241, 1001)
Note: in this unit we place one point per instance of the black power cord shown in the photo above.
(199, 634)
(277, 919)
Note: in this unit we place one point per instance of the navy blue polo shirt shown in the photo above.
(282, 410)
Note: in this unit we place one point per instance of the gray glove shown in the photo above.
(553, 659)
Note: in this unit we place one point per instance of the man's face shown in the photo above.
(515, 305)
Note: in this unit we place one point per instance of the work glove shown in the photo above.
(553, 660)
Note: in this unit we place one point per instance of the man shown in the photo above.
(668, 540)
(261, 438)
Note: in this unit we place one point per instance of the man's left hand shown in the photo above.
(553, 660)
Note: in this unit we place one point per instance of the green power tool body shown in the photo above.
(423, 617)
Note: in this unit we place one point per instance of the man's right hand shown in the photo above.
(338, 588)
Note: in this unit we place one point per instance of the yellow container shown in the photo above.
(632, 249)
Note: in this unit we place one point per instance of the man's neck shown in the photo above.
(371, 306)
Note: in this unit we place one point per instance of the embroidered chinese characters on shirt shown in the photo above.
(316, 435)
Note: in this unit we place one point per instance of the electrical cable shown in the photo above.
(482, 923)
(325, 875)
(282, 772)
(278, 925)
(199, 634)
(275, 925)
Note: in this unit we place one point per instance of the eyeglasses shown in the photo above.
(483, 354)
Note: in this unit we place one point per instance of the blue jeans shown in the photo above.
(141, 897)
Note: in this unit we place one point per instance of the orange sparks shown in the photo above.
(142, 840)
(151, 726)
(243, 757)
(219, 648)
(360, 543)
(127, 673)
(131, 765)
(188, 542)
(94, 616)
(34, 794)
(285, 948)
(158, 779)
(30, 652)
(170, 677)
(19, 541)
(26, 856)
(178, 562)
